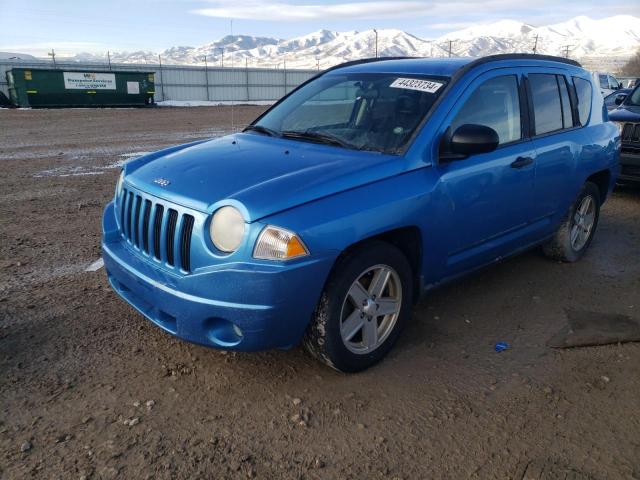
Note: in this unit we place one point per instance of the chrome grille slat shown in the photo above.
(145, 225)
(127, 222)
(135, 226)
(171, 236)
(156, 229)
(185, 242)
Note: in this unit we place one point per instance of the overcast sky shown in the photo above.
(34, 26)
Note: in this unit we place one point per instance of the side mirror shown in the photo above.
(620, 98)
(471, 139)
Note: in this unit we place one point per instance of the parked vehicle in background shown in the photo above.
(613, 100)
(627, 116)
(629, 82)
(365, 187)
(607, 82)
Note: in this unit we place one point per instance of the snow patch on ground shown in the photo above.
(207, 103)
(95, 266)
(79, 170)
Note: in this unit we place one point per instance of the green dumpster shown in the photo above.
(32, 87)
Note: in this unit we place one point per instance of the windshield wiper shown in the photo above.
(261, 129)
(319, 137)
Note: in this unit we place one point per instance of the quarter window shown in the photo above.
(547, 109)
(495, 104)
(583, 93)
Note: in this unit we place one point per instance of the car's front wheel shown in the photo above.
(364, 305)
(575, 234)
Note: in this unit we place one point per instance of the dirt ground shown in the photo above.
(90, 389)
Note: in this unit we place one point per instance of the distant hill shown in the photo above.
(16, 56)
(615, 37)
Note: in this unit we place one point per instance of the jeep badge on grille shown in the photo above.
(163, 182)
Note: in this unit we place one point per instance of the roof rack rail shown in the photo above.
(522, 56)
(367, 60)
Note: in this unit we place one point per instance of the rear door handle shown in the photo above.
(521, 162)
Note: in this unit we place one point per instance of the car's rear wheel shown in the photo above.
(575, 234)
(363, 308)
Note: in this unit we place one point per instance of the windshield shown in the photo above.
(362, 111)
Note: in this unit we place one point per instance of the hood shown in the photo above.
(625, 113)
(264, 174)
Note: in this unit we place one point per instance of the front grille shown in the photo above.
(631, 132)
(155, 229)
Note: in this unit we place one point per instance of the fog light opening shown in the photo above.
(223, 333)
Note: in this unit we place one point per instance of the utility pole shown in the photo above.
(109, 59)
(535, 45)
(206, 76)
(376, 32)
(161, 77)
(285, 74)
(52, 54)
(222, 57)
(450, 45)
(566, 51)
(246, 71)
(317, 63)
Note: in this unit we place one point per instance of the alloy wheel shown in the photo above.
(370, 309)
(583, 222)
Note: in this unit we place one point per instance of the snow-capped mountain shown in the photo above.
(617, 36)
(582, 36)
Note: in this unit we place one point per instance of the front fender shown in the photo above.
(330, 225)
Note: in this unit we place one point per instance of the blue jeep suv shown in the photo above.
(328, 216)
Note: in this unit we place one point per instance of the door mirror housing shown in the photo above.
(620, 98)
(470, 139)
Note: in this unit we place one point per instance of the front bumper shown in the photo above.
(251, 306)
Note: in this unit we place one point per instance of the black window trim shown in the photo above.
(563, 78)
(532, 117)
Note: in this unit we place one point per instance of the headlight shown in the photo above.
(275, 243)
(119, 184)
(227, 229)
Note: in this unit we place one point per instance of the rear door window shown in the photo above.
(495, 104)
(583, 94)
(547, 107)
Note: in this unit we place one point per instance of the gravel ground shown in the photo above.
(90, 389)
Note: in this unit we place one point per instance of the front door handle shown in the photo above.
(521, 162)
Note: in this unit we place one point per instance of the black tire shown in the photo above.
(560, 246)
(323, 338)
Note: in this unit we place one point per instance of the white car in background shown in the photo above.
(608, 83)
